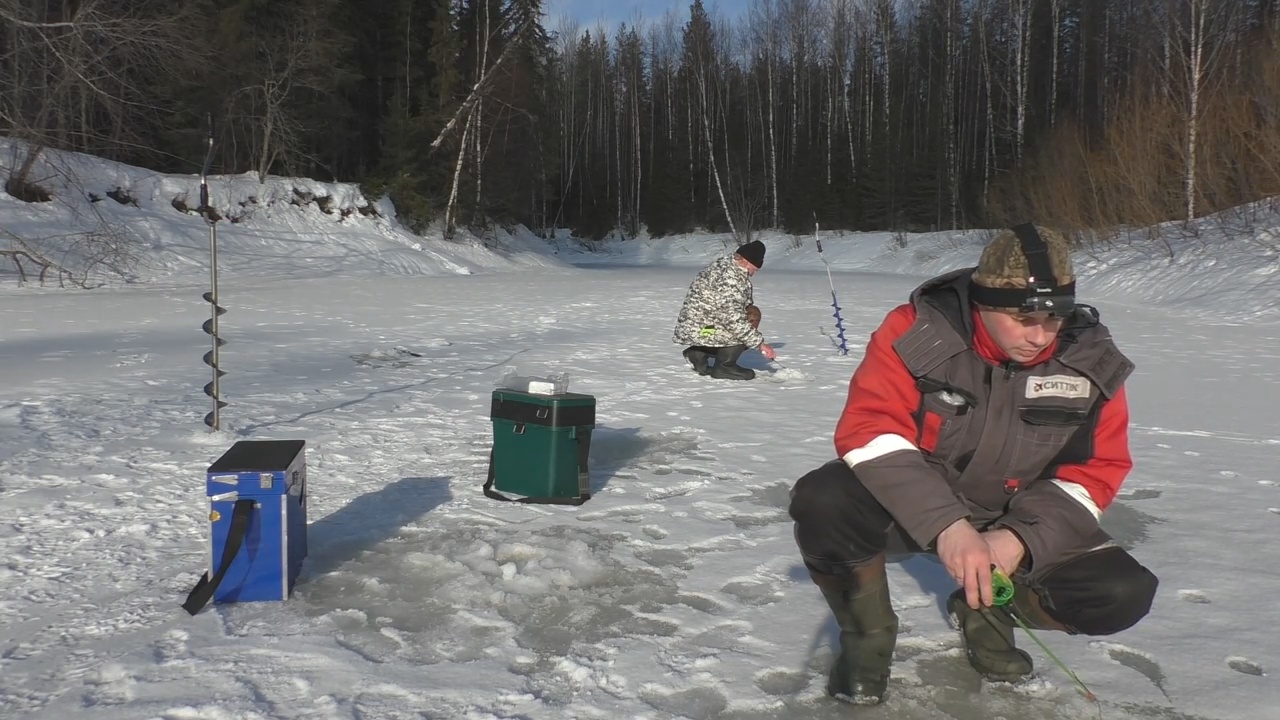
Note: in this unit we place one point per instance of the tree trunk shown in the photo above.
(1020, 68)
(848, 129)
(1055, 8)
(711, 148)
(949, 123)
(636, 178)
(773, 144)
(617, 149)
(693, 148)
(268, 128)
(457, 174)
(1195, 79)
(482, 48)
(829, 120)
(989, 134)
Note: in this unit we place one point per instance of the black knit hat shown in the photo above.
(753, 252)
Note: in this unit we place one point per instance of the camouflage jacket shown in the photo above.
(714, 313)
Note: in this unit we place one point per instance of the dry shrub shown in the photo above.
(1133, 174)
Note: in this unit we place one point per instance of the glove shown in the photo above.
(753, 316)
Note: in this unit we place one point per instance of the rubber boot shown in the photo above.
(727, 368)
(697, 357)
(988, 640)
(868, 632)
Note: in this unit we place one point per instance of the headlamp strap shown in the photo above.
(1042, 279)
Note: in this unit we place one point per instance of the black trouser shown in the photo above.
(733, 350)
(839, 524)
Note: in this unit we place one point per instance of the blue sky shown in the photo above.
(611, 12)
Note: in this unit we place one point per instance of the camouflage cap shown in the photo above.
(1004, 265)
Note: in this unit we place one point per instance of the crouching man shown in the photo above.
(987, 424)
(715, 320)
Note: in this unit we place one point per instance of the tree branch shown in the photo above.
(474, 96)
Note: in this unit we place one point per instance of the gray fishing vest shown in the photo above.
(993, 430)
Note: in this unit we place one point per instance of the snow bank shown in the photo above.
(1225, 266)
(280, 228)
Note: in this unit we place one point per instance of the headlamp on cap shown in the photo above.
(1042, 294)
(1048, 297)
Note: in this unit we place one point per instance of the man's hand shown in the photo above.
(968, 558)
(767, 351)
(1006, 548)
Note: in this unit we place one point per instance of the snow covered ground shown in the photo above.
(676, 591)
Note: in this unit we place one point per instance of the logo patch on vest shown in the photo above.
(1063, 386)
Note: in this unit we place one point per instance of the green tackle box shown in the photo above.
(540, 447)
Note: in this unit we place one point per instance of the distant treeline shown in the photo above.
(859, 114)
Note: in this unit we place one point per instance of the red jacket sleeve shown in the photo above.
(876, 438)
(1110, 464)
(882, 394)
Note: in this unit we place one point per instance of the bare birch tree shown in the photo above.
(1204, 30)
(1055, 27)
(700, 51)
(766, 44)
(840, 46)
(1020, 16)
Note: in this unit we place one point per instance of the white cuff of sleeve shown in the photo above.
(879, 447)
(1080, 495)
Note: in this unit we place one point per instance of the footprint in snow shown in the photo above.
(655, 532)
(676, 490)
(1194, 596)
(753, 591)
(772, 495)
(742, 521)
(740, 518)
(778, 683)
(629, 513)
(126, 360)
(1142, 494)
(171, 648)
(702, 603)
(666, 557)
(1137, 661)
(731, 635)
(1246, 666)
(696, 702)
